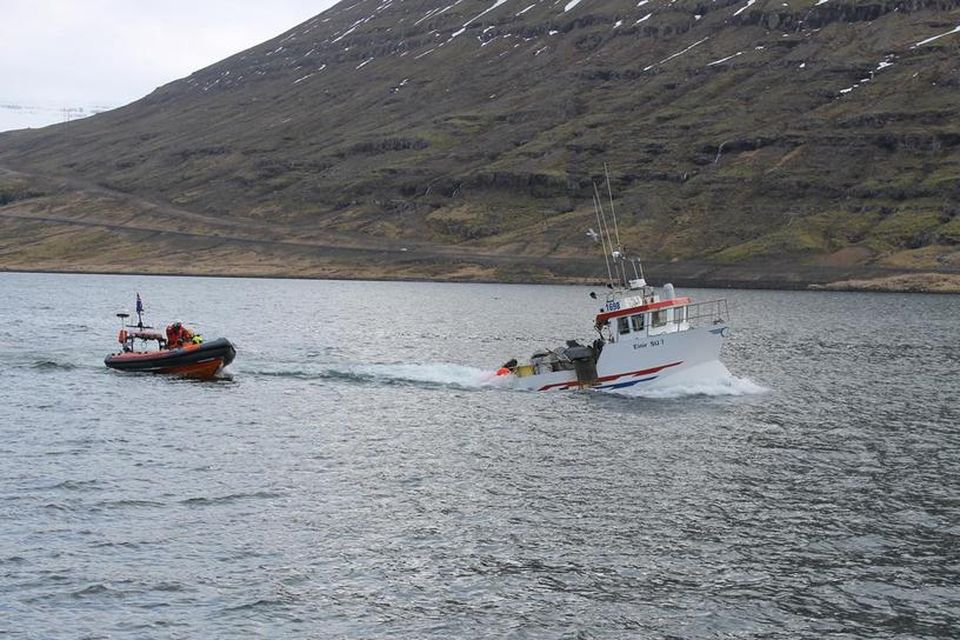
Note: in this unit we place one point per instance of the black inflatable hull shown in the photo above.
(191, 361)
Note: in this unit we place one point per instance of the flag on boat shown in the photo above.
(139, 304)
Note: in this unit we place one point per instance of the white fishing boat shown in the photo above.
(643, 334)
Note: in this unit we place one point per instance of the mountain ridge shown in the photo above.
(737, 133)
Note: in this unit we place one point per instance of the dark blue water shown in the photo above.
(358, 478)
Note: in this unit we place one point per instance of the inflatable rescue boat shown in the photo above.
(202, 361)
(194, 359)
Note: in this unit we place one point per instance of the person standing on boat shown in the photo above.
(178, 335)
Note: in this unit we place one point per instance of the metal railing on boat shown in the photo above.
(708, 311)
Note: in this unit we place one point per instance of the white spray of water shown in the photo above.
(707, 379)
(432, 373)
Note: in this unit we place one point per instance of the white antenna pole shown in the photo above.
(617, 268)
(604, 225)
(616, 227)
(603, 243)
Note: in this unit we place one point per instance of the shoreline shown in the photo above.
(847, 286)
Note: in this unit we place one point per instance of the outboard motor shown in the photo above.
(584, 361)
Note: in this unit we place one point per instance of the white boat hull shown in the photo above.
(639, 358)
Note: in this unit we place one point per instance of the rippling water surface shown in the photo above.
(359, 477)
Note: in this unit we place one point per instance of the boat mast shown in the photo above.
(139, 312)
(603, 243)
(605, 229)
(616, 228)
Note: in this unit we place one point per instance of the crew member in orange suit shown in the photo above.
(178, 335)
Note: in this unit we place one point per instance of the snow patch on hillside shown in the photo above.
(749, 4)
(677, 54)
(433, 13)
(475, 18)
(936, 37)
(883, 64)
(722, 60)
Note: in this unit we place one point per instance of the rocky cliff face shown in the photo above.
(737, 132)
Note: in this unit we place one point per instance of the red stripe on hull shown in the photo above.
(602, 379)
(655, 306)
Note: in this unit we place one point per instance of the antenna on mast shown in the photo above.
(615, 253)
(140, 311)
(603, 243)
(616, 227)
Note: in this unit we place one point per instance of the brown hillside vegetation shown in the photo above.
(777, 143)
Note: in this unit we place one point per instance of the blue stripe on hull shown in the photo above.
(627, 384)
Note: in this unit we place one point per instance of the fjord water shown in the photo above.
(360, 477)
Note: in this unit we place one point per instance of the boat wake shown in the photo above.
(432, 374)
(707, 379)
(51, 365)
(438, 373)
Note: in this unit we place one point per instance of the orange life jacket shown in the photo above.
(177, 338)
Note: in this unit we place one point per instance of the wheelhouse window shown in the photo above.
(637, 322)
(658, 318)
(623, 325)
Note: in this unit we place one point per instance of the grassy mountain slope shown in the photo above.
(816, 141)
